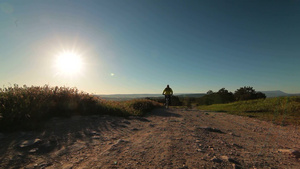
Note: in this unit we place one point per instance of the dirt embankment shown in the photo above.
(173, 138)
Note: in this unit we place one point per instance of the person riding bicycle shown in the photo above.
(168, 92)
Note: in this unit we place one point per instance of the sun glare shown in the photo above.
(69, 63)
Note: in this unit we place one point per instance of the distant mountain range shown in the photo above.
(137, 96)
(278, 93)
(275, 93)
(127, 96)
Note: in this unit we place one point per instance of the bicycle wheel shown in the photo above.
(167, 103)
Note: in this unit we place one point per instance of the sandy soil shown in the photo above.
(173, 138)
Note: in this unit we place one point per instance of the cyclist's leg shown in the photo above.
(166, 99)
(169, 97)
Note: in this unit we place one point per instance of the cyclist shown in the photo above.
(168, 92)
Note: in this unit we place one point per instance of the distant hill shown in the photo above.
(278, 93)
(196, 95)
(120, 97)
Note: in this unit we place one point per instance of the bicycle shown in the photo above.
(167, 101)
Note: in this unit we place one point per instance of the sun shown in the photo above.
(69, 63)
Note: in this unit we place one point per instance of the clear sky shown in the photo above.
(140, 46)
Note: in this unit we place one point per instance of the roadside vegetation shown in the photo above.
(245, 101)
(27, 108)
(279, 110)
(224, 96)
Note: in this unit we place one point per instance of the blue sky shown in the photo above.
(140, 46)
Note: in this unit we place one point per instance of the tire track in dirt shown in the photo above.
(173, 138)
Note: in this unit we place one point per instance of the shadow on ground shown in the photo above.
(59, 135)
(62, 136)
(163, 112)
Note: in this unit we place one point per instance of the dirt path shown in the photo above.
(173, 138)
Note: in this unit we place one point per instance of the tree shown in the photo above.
(247, 93)
(260, 95)
(209, 92)
(222, 96)
(225, 95)
(223, 91)
(244, 93)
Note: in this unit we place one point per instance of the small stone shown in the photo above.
(33, 150)
(43, 165)
(134, 129)
(224, 158)
(30, 142)
(20, 155)
(284, 150)
(200, 150)
(237, 166)
(93, 133)
(96, 137)
(184, 167)
(121, 141)
(234, 134)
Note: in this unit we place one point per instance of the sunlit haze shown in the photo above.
(140, 46)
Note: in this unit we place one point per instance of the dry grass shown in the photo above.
(28, 108)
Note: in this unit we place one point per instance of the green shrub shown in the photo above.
(280, 110)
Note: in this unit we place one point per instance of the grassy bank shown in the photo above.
(27, 108)
(280, 110)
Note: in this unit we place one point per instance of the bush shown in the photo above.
(248, 93)
(29, 107)
(222, 96)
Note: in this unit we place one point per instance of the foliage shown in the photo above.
(137, 107)
(280, 110)
(248, 93)
(222, 96)
(175, 101)
(28, 107)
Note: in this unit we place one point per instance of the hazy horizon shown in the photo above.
(140, 46)
(185, 93)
